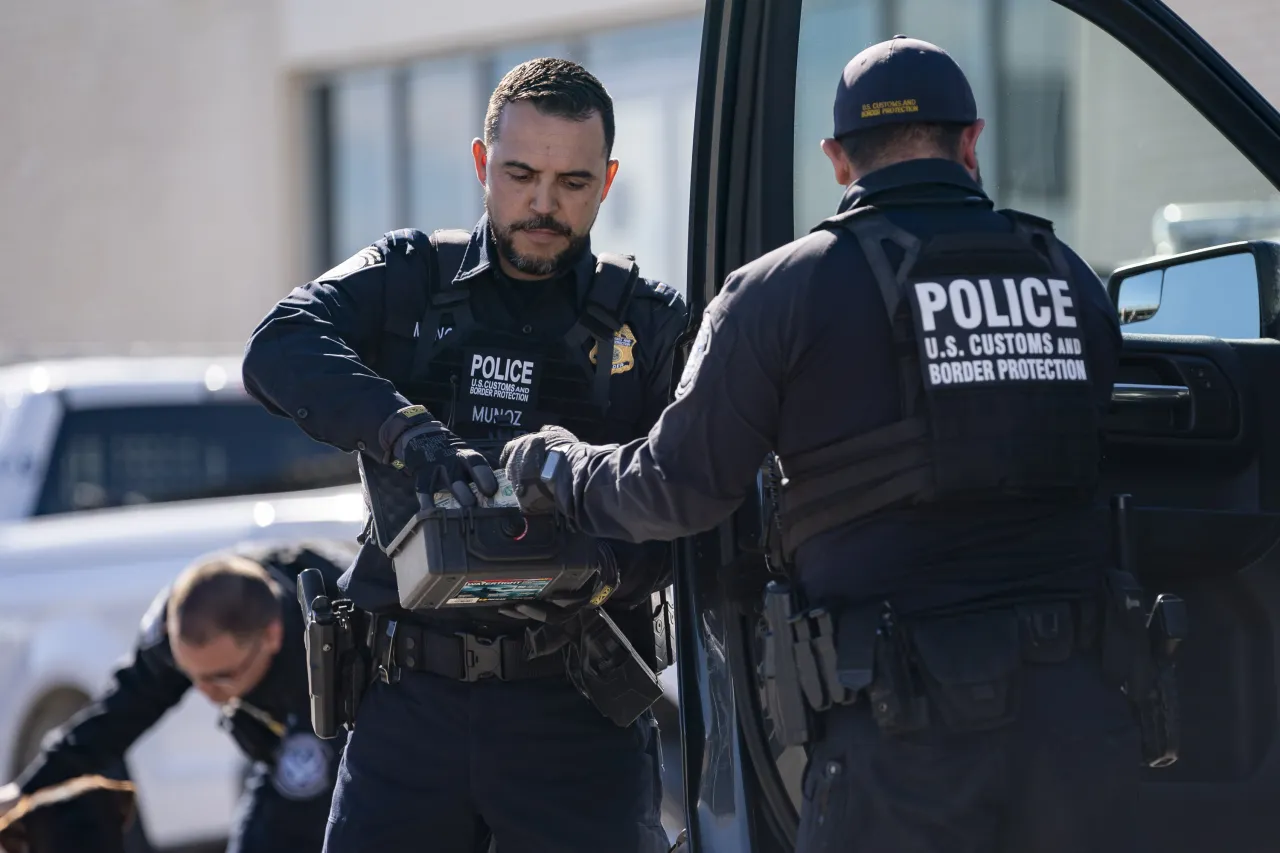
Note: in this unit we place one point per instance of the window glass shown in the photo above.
(150, 454)
(363, 160)
(831, 32)
(651, 74)
(506, 58)
(447, 102)
(1079, 130)
(401, 139)
(1211, 296)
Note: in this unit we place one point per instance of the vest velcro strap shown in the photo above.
(449, 298)
(404, 298)
(845, 480)
(797, 527)
(819, 487)
(598, 323)
(853, 450)
(607, 301)
(449, 249)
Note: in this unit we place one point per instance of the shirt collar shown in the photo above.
(481, 257)
(940, 178)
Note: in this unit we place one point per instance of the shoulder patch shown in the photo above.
(366, 257)
(658, 290)
(696, 353)
(301, 770)
(151, 630)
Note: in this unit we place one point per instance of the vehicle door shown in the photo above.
(1114, 119)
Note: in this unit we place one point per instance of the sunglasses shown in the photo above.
(228, 677)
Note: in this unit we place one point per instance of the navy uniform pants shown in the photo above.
(434, 763)
(1062, 778)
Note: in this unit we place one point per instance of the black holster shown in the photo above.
(1138, 648)
(338, 658)
(607, 669)
(958, 671)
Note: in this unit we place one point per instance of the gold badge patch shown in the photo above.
(623, 358)
(602, 596)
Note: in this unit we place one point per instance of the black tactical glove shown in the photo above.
(435, 457)
(524, 459)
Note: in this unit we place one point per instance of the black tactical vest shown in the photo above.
(489, 386)
(997, 400)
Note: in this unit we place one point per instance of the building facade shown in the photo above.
(172, 167)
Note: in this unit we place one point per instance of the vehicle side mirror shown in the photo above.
(1227, 291)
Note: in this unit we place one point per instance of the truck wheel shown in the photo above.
(52, 711)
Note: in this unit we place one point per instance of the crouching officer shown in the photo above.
(230, 626)
(490, 709)
(931, 374)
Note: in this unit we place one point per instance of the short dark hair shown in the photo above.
(876, 146)
(222, 595)
(555, 87)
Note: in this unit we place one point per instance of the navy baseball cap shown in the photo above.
(902, 80)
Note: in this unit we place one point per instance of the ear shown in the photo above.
(481, 155)
(969, 145)
(839, 161)
(610, 172)
(274, 636)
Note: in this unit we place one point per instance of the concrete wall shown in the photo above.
(322, 34)
(142, 173)
(155, 161)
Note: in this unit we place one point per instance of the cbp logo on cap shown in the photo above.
(889, 108)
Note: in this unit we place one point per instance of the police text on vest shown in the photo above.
(501, 378)
(997, 330)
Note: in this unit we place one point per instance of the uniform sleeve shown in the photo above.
(670, 322)
(286, 804)
(305, 360)
(98, 737)
(646, 566)
(700, 459)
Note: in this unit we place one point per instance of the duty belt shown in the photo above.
(963, 661)
(400, 646)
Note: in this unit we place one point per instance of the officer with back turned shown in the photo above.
(414, 354)
(931, 374)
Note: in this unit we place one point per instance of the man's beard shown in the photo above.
(503, 238)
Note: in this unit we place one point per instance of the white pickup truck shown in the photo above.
(114, 475)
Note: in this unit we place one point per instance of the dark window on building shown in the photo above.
(1034, 129)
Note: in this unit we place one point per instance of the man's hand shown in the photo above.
(437, 458)
(524, 459)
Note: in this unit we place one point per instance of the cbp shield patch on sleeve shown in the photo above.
(302, 767)
(696, 353)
